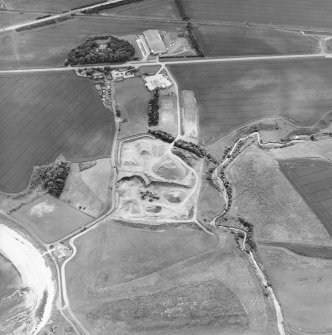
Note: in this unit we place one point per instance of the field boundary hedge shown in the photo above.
(108, 6)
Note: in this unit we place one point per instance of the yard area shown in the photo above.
(44, 115)
(231, 95)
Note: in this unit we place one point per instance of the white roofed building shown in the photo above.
(155, 42)
(157, 81)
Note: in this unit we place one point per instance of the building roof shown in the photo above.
(157, 81)
(155, 42)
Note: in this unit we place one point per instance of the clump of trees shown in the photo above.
(228, 187)
(181, 9)
(153, 109)
(52, 177)
(89, 52)
(250, 232)
(193, 40)
(191, 147)
(162, 135)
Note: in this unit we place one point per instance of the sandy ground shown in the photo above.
(35, 275)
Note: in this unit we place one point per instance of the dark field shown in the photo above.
(233, 94)
(132, 98)
(312, 178)
(175, 281)
(230, 40)
(48, 5)
(44, 115)
(146, 8)
(49, 45)
(306, 13)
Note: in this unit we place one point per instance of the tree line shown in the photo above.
(153, 109)
(116, 50)
(96, 10)
(181, 9)
(193, 40)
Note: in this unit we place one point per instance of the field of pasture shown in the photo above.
(232, 40)
(303, 13)
(43, 115)
(303, 288)
(312, 178)
(49, 45)
(156, 282)
(232, 94)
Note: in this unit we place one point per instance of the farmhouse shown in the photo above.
(157, 81)
(121, 75)
(155, 42)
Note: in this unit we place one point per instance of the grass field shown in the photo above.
(312, 178)
(146, 8)
(263, 196)
(11, 18)
(49, 45)
(88, 190)
(47, 5)
(132, 98)
(231, 40)
(173, 281)
(231, 95)
(306, 13)
(210, 202)
(43, 115)
(304, 249)
(303, 288)
(50, 219)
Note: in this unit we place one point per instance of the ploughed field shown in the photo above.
(232, 94)
(312, 178)
(49, 45)
(305, 13)
(232, 40)
(43, 115)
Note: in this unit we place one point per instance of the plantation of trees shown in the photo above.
(116, 50)
(153, 109)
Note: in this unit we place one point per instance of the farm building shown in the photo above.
(157, 81)
(121, 75)
(155, 42)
